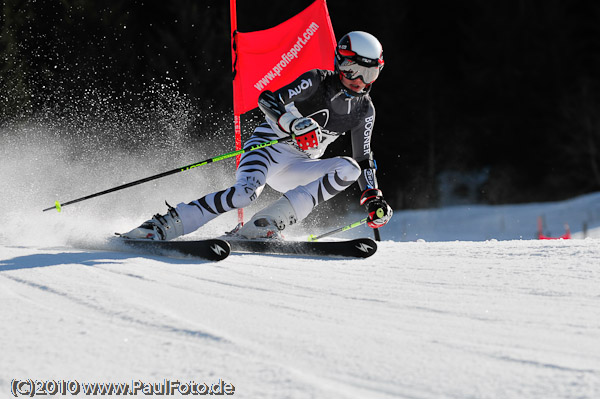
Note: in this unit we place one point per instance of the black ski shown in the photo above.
(210, 249)
(357, 248)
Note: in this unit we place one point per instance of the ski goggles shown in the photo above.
(354, 66)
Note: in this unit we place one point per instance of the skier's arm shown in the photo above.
(273, 105)
(378, 210)
(361, 150)
(274, 109)
(306, 131)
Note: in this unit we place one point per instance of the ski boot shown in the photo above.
(160, 227)
(269, 222)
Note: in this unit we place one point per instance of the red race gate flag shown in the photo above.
(271, 58)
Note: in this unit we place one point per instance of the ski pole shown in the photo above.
(377, 234)
(58, 205)
(338, 230)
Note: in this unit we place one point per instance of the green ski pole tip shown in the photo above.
(57, 204)
(312, 237)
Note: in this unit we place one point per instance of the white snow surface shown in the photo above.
(446, 319)
(459, 302)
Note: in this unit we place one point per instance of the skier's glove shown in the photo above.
(378, 211)
(306, 132)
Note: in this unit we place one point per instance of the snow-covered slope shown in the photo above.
(500, 319)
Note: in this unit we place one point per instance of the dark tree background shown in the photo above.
(510, 87)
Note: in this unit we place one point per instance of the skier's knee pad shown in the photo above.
(245, 193)
(349, 170)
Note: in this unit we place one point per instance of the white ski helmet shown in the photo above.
(359, 55)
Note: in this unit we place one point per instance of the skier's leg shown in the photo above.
(336, 174)
(251, 176)
(315, 181)
(187, 218)
(201, 211)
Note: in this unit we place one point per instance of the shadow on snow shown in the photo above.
(86, 259)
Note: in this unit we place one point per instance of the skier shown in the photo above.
(314, 110)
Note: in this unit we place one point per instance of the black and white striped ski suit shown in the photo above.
(304, 178)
